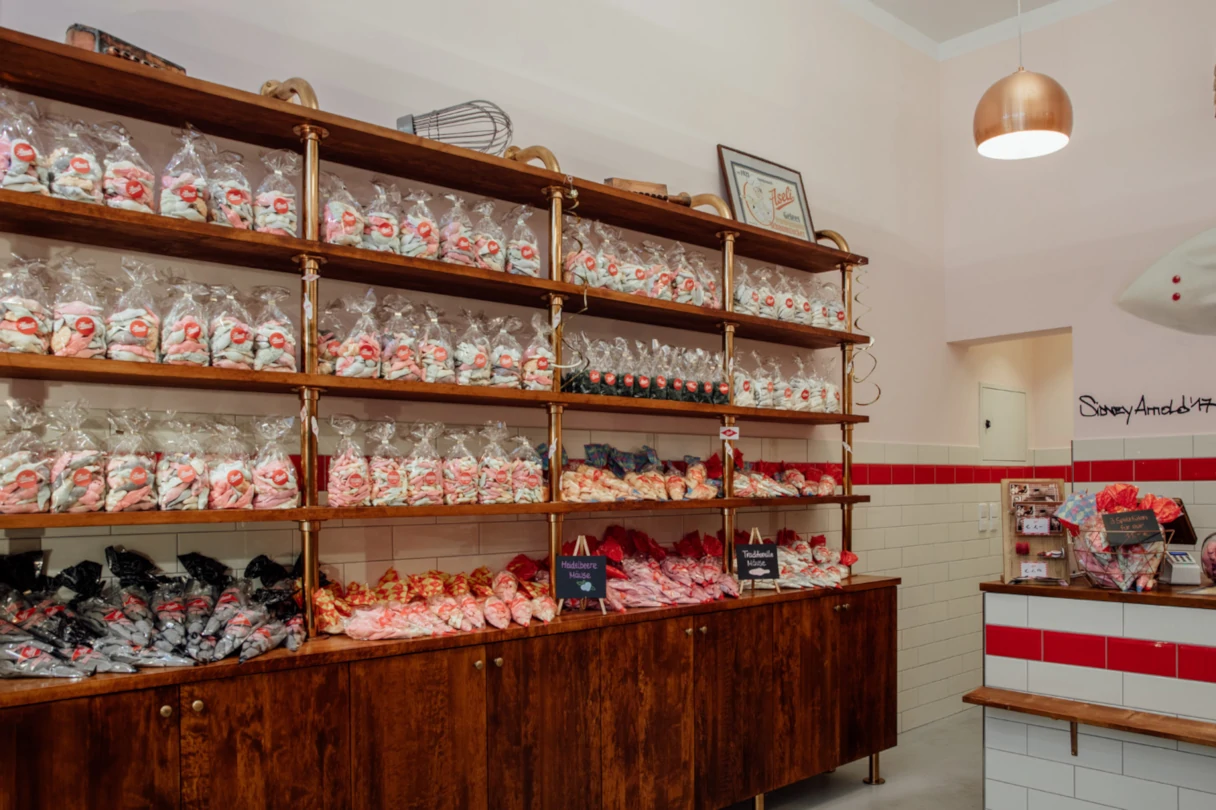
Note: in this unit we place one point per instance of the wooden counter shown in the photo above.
(1163, 596)
(689, 707)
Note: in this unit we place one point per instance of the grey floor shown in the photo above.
(935, 767)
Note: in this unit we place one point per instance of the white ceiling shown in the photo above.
(943, 20)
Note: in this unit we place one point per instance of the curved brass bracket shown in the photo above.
(841, 242)
(541, 153)
(713, 200)
(295, 86)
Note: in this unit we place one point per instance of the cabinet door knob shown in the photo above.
(479, 665)
(198, 706)
(688, 631)
(166, 711)
(704, 629)
(847, 606)
(498, 663)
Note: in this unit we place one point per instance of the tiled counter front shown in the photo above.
(1147, 657)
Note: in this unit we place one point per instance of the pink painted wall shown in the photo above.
(1053, 242)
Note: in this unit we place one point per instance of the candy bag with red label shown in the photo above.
(523, 249)
(32, 661)
(25, 472)
(764, 292)
(229, 194)
(75, 165)
(579, 265)
(787, 299)
(456, 234)
(382, 228)
(239, 628)
(232, 334)
(183, 184)
(274, 476)
(77, 469)
(330, 328)
(506, 355)
(127, 180)
(745, 385)
(607, 258)
(229, 475)
(263, 639)
(20, 147)
(473, 352)
(359, 351)
(399, 340)
(527, 473)
(274, 207)
(661, 275)
(342, 220)
(274, 337)
(435, 349)
(26, 324)
(419, 233)
(232, 599)
(494, 468)
(459, 471)
(423, 466)
(538, 357)
(389, 485)
(133, 328)
(709, 280)
(687, 282)
(169, 608)
(185, 340)
(181, 479)
(78, 328)
(489, 239)
(349, 480)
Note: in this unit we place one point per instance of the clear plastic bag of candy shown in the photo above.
(231, 328)
(229, 193)
(183, 183)
(747, 296)
(349, 483)
(626, 368)
(489, 239)
(831, 313)
(423, 466)
(275, 485)
(680, 379)
(274, 333)
(803, 383)
(342, 219)
(635, 270)
(661, 275)
(274, 207)
(660, 370)
(182, 482)
(763, 383)
(75, 162)
(382, 228)
(456, 234)
(78, 481)
(25, 472)
(787, 300)
(607, 258)
(527, 473)
(687, 282)
(185, 340)
(359, 351)
(127, 179)
(130, 469)
(473, 352)
(243, 624)
(331, 326)
(21, 150)
(459, 470)
(399, 340)
(133, 327)
(579, 265)
(745, 386)
(506, 355)
(228, 473)
(419, 233)
(825, 372)
(709, 279)
(78, 327)
(783, 391)
(701, 376)
(538, 359)
(642, 384)
(494, 467)
(523, 248)
(26, 325)
(390, 484)
(721, 379)
(766, 290)
(803, 309)
(435, 349)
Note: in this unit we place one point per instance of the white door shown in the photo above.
(1002, 424)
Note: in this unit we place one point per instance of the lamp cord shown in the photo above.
(1019, 33)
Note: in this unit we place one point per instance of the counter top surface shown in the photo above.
(1163, 596)
(339, 649)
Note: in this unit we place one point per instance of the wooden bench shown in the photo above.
(1076, 712)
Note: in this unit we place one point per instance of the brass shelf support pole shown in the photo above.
(728, 361)
(875, 777)
(555, 320)
(555, 232)
(555, 491)
(846, 396)
(728, 270)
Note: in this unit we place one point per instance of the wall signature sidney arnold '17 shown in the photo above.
(1089, 406)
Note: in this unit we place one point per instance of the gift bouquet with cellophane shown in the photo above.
(1106, 560)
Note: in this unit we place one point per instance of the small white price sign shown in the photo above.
(729, 434)
(1036, 525)
(1034, 570)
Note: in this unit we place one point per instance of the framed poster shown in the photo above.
(766, 194)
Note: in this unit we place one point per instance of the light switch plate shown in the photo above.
(994, 516)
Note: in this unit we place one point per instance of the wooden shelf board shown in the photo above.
(121, 372)
(152, 518)
(1161, 596)
(661, 407)
(54, 70)
(1166, 727)
(717, 503)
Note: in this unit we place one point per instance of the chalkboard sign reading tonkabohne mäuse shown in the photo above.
(1126, 528)
(758, 561)
(582, 577)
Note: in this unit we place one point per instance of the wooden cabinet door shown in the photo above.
(646, 716)
(733, 695)
(274, 741)
(543, 699)
(111, 752)
(804, 689)
(866, 681)
(418, 731)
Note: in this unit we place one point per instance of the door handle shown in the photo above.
(479, 665)
(198, 706)
(839, 608)
(704, 630)
(688, 631)
(166, 711)
(498, 663)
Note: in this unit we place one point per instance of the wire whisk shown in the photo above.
(479, 125)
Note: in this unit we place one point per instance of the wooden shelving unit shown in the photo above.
(62, 73)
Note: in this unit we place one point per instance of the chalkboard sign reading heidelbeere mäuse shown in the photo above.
(1127, 528)
(756, 561)
(582, 577)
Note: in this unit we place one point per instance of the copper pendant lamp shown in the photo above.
(1025, 115)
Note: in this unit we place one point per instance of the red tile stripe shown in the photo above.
(1161, 658)
(1150, 469)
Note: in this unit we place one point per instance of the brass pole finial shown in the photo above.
(295, 87)
(541, 153)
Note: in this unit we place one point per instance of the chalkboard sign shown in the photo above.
(1127, 528)
(582, 577)
(756, 561)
